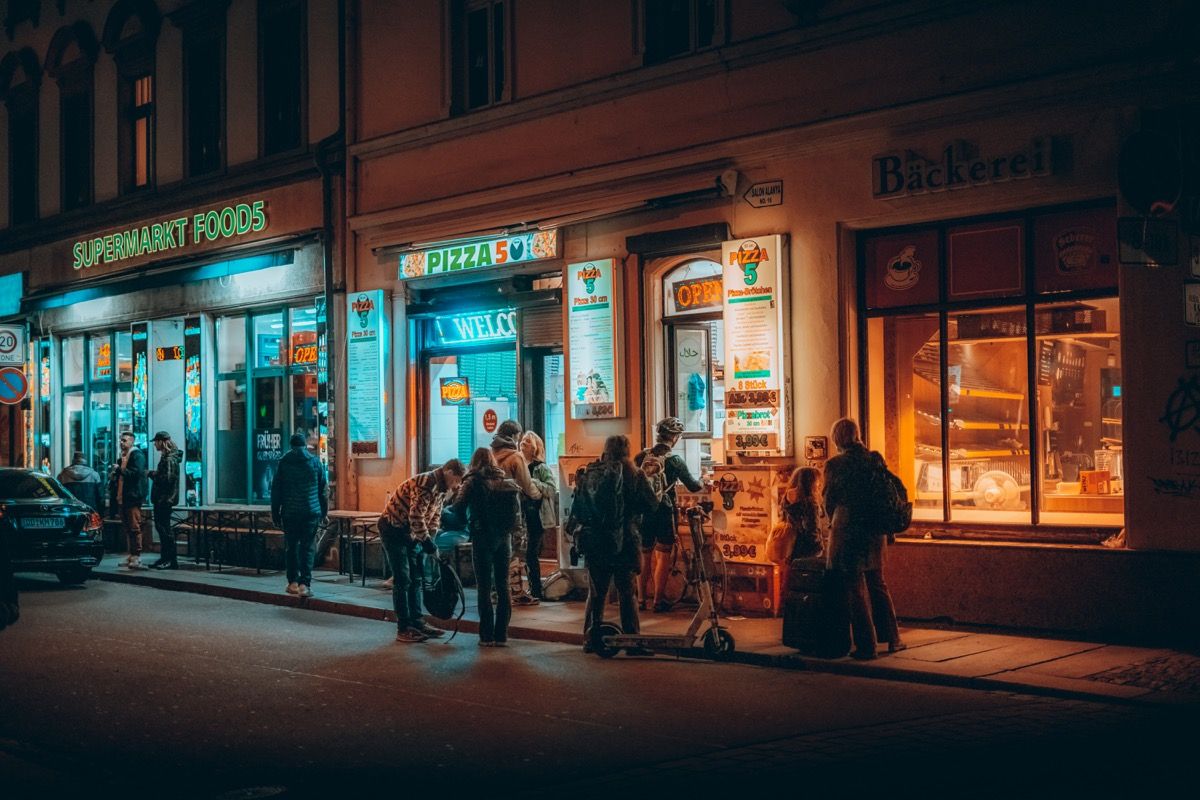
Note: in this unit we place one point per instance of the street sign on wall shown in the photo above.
(12, 345)
(13, 385)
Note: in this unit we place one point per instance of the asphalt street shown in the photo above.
(143, 692)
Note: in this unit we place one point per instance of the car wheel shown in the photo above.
(74, 577)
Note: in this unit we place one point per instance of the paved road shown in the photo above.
(154, 693)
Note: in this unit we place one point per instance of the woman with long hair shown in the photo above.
(540, 515)
(802, 508)
(491, 502)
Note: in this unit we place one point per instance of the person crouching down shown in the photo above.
(406, 531)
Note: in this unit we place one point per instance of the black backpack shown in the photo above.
(501, 508)
(443, 592)
(894, 511)
(599, 506)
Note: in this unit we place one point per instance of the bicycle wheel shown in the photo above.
(677, 577)
(714, 565)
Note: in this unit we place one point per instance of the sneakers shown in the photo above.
(134, 562)
(389, 583)
(304, 591)
(896, 646)
(525, 600)
(293, 588)
(486, 643)
(430, 631)
(160, 564)
(411, 636)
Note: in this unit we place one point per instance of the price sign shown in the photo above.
(173, 353)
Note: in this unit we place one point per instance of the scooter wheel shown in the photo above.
(718, 644)
(604, 649)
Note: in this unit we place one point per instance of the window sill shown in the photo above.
(1035, 535)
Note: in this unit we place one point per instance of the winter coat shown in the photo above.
(857, 541)
(132, 479)
(639, 499)
(485, 497)
(806, 520)
(513, 463)
(165, 489)
(85, 483)
(299, 487)
(547, 507)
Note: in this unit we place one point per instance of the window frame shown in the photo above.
(459, 54)
(205, 28)
(719, 33)
(267, 9)
(1030, 299)
(22, 105)
(76, 82)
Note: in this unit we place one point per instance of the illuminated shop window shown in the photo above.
(695, 344)
(993, 385)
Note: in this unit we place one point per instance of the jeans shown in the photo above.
(491, 573)
(601, 576)
(883, 612)
(408, 564)
(871, 610)
(162, 524)
(131, 519)
(298, 535)
(533, 551)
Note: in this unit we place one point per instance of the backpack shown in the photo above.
(502, 508)
(894, 511)
(442, 591)
(658, 481)
(599, 507)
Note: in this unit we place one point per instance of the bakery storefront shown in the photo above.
(208, 323)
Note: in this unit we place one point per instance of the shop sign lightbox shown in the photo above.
(594, 339)
(455, 391)
(757, 389)
(367, 354)
(477, 327)
(518, 248)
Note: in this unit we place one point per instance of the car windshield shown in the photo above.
(30, 486)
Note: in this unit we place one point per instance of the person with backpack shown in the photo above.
(509, 459)
(491, 502)
(299, 501)
(856, 499)
(658, 524)
(406, 530)
(610, 498)
(540, 515)
(84, 482)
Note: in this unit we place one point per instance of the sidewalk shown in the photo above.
(989, 661)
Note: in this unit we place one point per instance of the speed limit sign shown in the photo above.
(12, 345)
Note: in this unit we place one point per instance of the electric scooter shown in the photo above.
(717, 641)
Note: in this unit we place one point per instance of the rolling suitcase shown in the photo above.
(816, 614)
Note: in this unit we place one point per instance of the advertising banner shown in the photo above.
(744, 510)
(594, 339)
(756, 347)
(367, 338)
(480, 254)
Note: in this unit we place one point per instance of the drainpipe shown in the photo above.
(330, 160)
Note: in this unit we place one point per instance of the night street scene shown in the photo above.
(599, 398)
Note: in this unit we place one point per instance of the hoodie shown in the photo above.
(165, 489)
(509, 458)
(85, 483)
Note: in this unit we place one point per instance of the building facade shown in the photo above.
(760, 217)
(167, 230)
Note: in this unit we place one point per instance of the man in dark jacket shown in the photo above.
(658, 525)
(299, 501)
(857, 542)
(132, 488)
(84, 482)
(164, 495)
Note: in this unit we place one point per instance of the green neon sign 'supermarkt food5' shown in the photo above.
(171, 234)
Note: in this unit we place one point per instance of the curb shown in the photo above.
(788, 661)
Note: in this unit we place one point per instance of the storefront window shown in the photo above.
(1079, 394)
(73, 425)
(72, 361)
(695, 342)
(101, 353)
(124, 356)
(470, 395)
(100, 425)
(951, 401)
(554, 410)
(231, 439)
(270, 348)
(231, 344)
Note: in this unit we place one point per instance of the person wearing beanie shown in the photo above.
(299, 501)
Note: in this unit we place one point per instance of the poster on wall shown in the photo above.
(367, 336)
(756, 346)
(594, 339)
(744, 512)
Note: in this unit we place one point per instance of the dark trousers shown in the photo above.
(601, 577)
(162, 524)
(533, 551)
(871, 610)
(298, 535)
(491, 573)
(407, 562)
(131, 520)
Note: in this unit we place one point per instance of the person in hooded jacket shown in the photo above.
(132, 488)
(84, 482)
(299, 501)
(540, 515)
(508, 458)
(164, 495)
(491, 502)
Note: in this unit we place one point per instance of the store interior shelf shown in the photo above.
(969, 424)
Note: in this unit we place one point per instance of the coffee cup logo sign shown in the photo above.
(903, 270)
(1075, 251)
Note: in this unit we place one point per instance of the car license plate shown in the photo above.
(43, 523)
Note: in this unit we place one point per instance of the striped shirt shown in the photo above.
(418, 503)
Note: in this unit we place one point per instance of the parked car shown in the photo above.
(50, 530)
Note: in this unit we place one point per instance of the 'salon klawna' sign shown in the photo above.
(162, 236)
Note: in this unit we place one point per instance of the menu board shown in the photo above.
(744, 511)
(756, 347)
(594, 339)
(366, 373)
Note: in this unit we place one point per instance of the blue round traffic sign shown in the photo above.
(13, 385)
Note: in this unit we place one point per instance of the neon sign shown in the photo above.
(455, 392)
(304, 353)
(698, 293)
(173, 353)
(480, 327)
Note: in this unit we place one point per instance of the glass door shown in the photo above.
(467, 396)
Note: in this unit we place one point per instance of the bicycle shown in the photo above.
(683, 581)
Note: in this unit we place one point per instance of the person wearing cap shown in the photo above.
(164, 496)
(84, 482)
(299, 501)
(658, 524)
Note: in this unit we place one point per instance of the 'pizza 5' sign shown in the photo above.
(481, 253)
